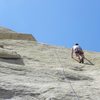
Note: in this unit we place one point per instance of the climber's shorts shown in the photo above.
(79, 52)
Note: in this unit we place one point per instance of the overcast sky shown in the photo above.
(55, 22)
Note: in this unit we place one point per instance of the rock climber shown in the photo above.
(78, 52)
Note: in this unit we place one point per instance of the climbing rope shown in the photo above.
(60, 63)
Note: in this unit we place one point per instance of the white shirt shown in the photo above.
(76, 47)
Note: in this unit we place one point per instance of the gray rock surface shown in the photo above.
(46, 72)
(35, 71)
(8, 54)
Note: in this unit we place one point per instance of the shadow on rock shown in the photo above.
(6, 94)
(12, 61)
(74, 76)
(88, 62)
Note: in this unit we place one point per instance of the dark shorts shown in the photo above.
(79, 52)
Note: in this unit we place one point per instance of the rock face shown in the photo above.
(9, 34)
(8, 54)
(44, 72)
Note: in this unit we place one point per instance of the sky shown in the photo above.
(55, 22)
